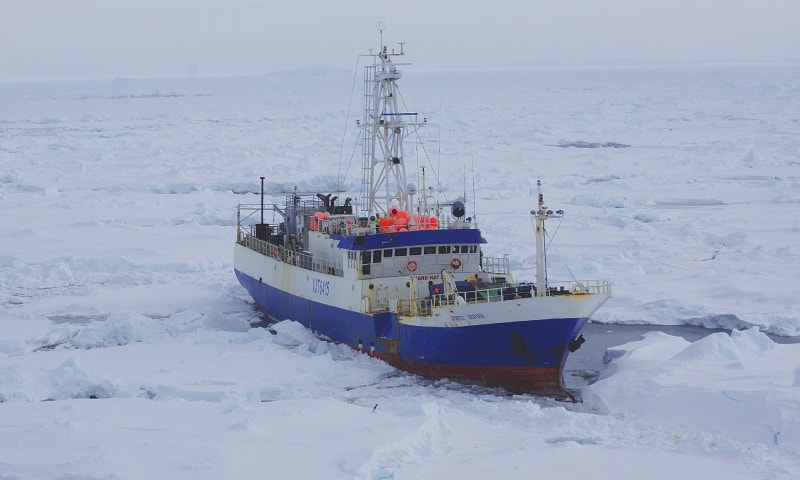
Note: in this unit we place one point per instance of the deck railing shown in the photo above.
(506, 292)
(496, 265)
(287, 255)
(500, 293)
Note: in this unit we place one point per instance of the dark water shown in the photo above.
(584, 365)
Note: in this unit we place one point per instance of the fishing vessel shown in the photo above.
(399, 275)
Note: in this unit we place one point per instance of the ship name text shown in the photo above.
(321, 287)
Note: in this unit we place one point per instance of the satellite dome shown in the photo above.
(458, 209)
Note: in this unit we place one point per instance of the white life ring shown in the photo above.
(411, 266)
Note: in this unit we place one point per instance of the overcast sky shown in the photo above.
(53, 39)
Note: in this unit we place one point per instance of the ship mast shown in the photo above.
(385, 125)
(538, 217)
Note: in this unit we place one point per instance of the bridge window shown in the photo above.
(365, 260)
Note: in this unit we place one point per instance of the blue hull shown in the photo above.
(520, 356)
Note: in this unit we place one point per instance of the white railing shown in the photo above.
(354, 225)
(507, 292)
(579, 287)
(287, 255)
(496, 265)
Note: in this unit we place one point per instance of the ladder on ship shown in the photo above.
(368, 146)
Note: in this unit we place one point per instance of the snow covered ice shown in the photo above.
(125, 342)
